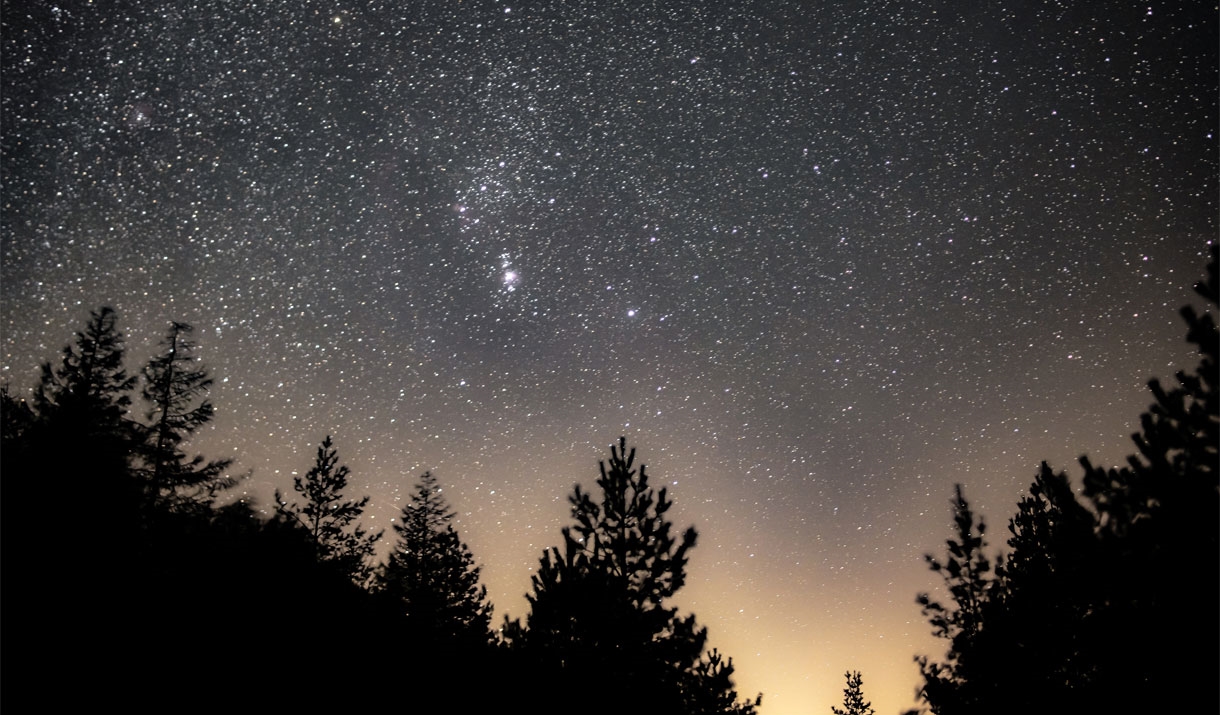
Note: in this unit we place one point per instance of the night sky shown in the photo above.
(817, 261)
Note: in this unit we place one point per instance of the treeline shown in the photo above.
(131, 582)
(1107, 599)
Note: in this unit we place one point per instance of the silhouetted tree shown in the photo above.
(708, 689)
(1097, 593)
(87, 396)
(1160, 530)
(600, 618)
(1175, 472)
(77, 435)
(967, 574)
(74, 446)
(1051, 532)
(74, 427)
(1041, 619)
(330, 518)
(432, 577)
(131, 607)
(175, 389)
(853, 697)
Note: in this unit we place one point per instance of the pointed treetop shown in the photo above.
(175, 390)
(432, 575)
(329, 517)
(627, 533)
(91, 382)
(853, 697)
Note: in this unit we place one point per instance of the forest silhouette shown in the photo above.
(1106, 599)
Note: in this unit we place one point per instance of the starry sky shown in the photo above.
(818, 261)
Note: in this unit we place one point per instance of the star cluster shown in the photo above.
(818, 261)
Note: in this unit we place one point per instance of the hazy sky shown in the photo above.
(818, 261)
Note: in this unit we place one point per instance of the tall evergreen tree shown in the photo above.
(853, 697)
(80, 437)
(76, 442)
(431, 575)
(1040, 620)
(175, 389)
(1175, 472)
(87, 396)
(600, 617)
(967, 574)
(1092, 602)
(1160, 532)
(329, 518)
(1015, 631)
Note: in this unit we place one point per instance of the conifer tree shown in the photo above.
(600, 616)
(1176, 469)
(73, 439)
(87, 396)
(431, 575)
(1160, 534)
(708, 689)
(175, 389)
(967, 573)
(1097, 592)
(853, 697)
(329, 518)
(1042, 608)
(78, 433)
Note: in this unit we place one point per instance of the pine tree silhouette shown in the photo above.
(853, 697)
(1098, 590)
(175, 389)
(72, 441)
(600, 617)
(87, 396)
(329, 518)
(1175, 470)
(967, 573)
(80, 437)
(432, 578)
(1160, 533)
